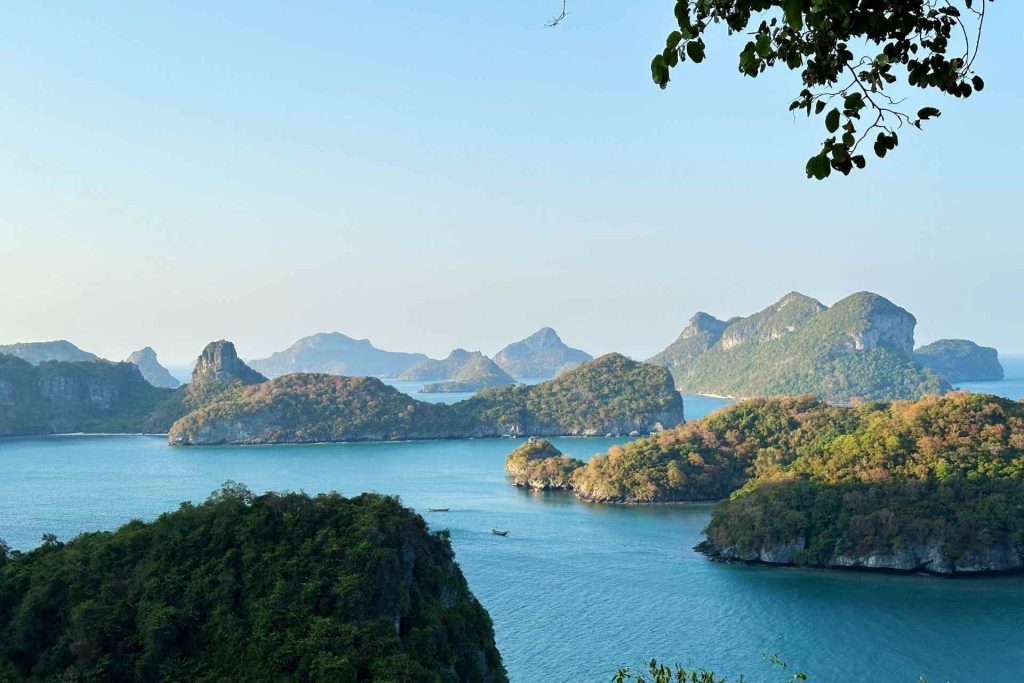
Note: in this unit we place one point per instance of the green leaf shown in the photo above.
(832, 121)
(695, 50)
(794, 13)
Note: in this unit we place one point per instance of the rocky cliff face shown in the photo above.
(219, 364)
(538, 465)
(929, 558)
(961, 360)
(859, 348)
(151, 370)
(701, 333)
(81, 396)
(542, 354)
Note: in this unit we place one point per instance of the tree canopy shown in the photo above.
(852, 56)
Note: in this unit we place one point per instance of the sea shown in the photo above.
(575, 590)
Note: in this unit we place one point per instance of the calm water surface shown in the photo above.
(575, 590)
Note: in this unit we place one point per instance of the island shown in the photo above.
(960, 360)
(75, 396)
(934, 485)
(248, 587)
(861, 348)
(542, 354)
(609, 395)
(337, 354)
(538, 465)
(476, 374)
(430, 370)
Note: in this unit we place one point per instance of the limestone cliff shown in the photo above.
(219, 364)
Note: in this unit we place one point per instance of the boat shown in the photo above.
(499, 533)
(438, 509)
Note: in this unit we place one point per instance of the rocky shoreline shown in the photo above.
(929, 559)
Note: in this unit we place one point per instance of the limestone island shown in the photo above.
(929, 486)
(476, 374)
(609, 395)
(538, 465)
(861, 348)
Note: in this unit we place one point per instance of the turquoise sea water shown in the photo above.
(575, 590)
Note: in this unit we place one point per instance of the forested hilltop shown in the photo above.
(932, 485)
(248, 588)
(860, 348)
(610, 395)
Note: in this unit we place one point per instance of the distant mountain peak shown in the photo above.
(152, 371)
(336, 354)
(542, 354)
(41, 352)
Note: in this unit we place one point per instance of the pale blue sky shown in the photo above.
(438, 174)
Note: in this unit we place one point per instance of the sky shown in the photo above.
(433, 175)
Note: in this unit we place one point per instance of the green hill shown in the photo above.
(609, 395)
(860, 348)
(248, 588)
(542, 354)
(74, 396)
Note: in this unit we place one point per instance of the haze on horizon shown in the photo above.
(431, 178)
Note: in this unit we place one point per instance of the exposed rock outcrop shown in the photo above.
(151, 370)
(930, 558)
(219, 364)
(538, 465)
(860, 348)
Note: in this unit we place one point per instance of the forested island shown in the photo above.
(229, 402)
(476, 373)
(934, 485)
(248, 588)
(610, 395)
(860, 348)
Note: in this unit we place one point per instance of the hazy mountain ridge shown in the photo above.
(152, 371)
(40, 352)
(476, 374)
(861, 347)
(542, 354)
(337, 354)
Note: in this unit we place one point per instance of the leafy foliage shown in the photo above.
(946, 473)
(610, 394)
(245, 587)
(74, 396)
(849, 54)
(537, 464)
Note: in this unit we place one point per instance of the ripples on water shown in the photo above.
(575, 590)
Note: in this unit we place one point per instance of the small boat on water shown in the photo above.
(499, 533)
(438, 509)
